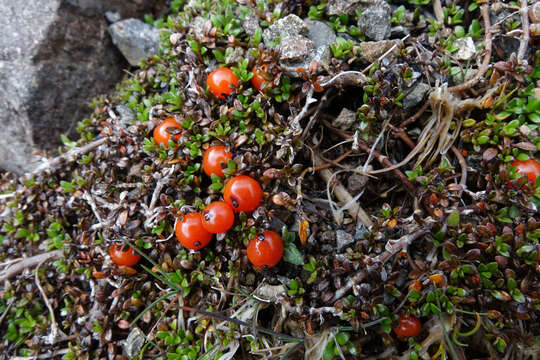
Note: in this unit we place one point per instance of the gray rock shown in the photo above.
(200, 27)
(134, 343)
(235, 56)
(343, 239)
(345, 119)
(250, 23)
(112, 16)
(135, 39)
(356, 182)
(370, 51)
(290, 25)
(55, 56)
(338, 7)
(126, 116)
(466, 48)
(415, 95)
(322, 37)
(295, 47)
(375, 22)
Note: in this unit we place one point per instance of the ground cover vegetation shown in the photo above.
(406, 233)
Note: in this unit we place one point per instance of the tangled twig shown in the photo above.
(353, 208)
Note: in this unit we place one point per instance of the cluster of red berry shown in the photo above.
(241, 194)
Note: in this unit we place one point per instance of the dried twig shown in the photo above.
(28, 263)
(415, 117)
(485, 63)
(525, 37)
(354, 209)
(315, 115)
(69, 156)
(295, 122)
(51, 339)
(437, 9)
(381, 158)
(463, 165)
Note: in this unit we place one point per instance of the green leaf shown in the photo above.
(453, 218)
(342, 338)
(292, 255)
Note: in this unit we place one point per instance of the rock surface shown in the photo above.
(345, 119)
(288, 26)
(135, 39)
(55, 56)
(322, 36)
(370, 51)
(415, 95)
(466, 48)
(295, 47)
(375, 21)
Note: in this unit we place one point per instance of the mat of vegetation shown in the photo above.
(400, 175)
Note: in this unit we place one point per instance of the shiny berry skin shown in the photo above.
(265, 251)
(123, 255)
(213, 159)
(258, 78)
(220, 80)
(530, 167)
(191, 233)
(218, 217)
(243, 193)
(162, 136)
(409, 326)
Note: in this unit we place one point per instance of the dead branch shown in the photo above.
(295, 122)
(484, 9)
(28, 263)
(525, 37)
(51, 339)
(69, 156)
(415, 117)
(463, 165)
(344, 196)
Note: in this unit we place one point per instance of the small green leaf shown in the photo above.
(453, 219)
(292, 255)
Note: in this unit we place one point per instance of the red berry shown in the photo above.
(530, 167)
(213, 159)
(243, 193)
(191, 233)
(163, 132)
(265, 251)
(220, 80)
(218, 217)
(123, 255)
(409, 326)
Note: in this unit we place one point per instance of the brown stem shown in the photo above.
(415, 117)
